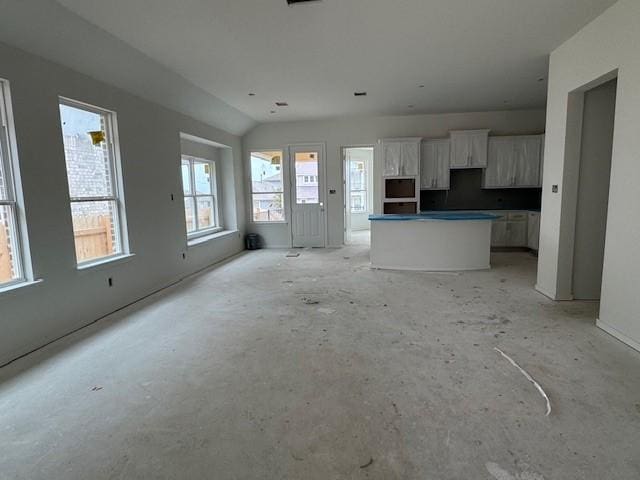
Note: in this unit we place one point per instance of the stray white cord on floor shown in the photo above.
(529, 377)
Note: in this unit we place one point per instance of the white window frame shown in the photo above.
(364, 190)
(285, 214)
(13, 200)
(213, 180)
(115, 170)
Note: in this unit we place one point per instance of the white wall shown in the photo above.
(150, 149)
(610, 43)
(47, 29)
(337, 133)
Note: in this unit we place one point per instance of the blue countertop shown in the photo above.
(448, 216)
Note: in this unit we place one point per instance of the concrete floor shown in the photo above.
(238, 374)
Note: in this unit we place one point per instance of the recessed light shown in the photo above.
(360, 94)
(282, 104)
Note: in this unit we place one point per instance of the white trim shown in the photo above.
(617, 334)
(207, 238)
(105, 261)
(16, 286)
(542, 291)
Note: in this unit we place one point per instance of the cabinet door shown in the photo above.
(460, 150)
(478, 149)
(443, 164)
(428, 170)
(410, 158)
(527, 161)
(499, 234)
(392, 155)
(434, 173)
(533, 231)
(500, 171)
(516, 234)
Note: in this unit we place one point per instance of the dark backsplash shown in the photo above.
(466, 193)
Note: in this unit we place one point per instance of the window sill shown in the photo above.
(106, 262)
(193, 242)
(19, 286)
(270, 223)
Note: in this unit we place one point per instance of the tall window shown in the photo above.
(267, 187)
(93, 173)
(358, 187)
(200, 196)
(11, 260)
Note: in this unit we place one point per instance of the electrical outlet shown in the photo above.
(110, 282)
(184, 256)
(172, 197)
(554, 188)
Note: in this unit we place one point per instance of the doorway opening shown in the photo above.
(594, 174)
(358, 194)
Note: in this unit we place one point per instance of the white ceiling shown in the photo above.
(470, 55)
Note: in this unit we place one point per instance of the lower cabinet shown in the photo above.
(533, 235)
(510, 229)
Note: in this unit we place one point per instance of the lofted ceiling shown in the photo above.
(410, 56)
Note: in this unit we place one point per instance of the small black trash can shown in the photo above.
(252, 241)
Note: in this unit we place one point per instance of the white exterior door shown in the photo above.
(307, 196)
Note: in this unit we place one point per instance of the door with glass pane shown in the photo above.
(307, 196)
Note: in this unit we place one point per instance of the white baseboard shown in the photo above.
(541, 290)
(617, 334)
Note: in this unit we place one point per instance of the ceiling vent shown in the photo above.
(282, 104)
(293, 2)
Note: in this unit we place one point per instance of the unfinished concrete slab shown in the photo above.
(318, 367)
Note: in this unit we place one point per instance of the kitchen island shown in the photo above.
(432, 241)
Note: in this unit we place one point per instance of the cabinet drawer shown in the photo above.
(518, 216)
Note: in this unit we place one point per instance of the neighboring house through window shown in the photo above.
(200, 196)
(94, 180)
(267, 187)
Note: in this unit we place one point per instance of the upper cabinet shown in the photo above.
(514, 162)
(469, 148)
(401, 157)
(435, 161)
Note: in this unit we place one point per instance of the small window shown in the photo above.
(12, 266)
(358, 187)
(200, 196)
(93, 174)
(267, 187)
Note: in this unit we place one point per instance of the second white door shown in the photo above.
(307, 196)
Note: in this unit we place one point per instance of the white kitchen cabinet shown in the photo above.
(435, 161)
(500, 171)
(392, 154)
(527, 154)
(469, 148)
(509, 229)
(499, 233)
(516, 234)
(401, 157)
(533, 231)
(513, 162)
